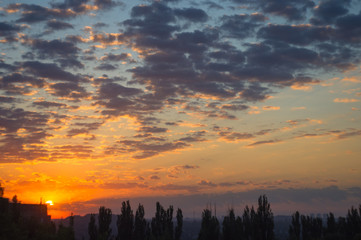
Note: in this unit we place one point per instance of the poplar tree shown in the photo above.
(178, 229)
(295, 228)
(125, 222)
(209, 227)
(140, 224)
(92, 228)
(104, 220)
(265, 222)
(229, 226)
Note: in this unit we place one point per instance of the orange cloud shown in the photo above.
(268, 108)
(301, 87)
(353, 79)
(345, 100)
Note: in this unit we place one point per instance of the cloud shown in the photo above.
(47, 104)
(19, 84)
(23, 133)
(349, 134)
(32, 13)
(106, 67)
(195, 136)
(345, 100)
(145, 150)
(272, 108)
(116, 186)
(9, 31)
(58, 25)
(7, 99)
(69, 90)
(176, 187)
(265, 142)
(242, 25)
(353, 79)
(71, 152)
(329, 10)
(116, 57)
(235, 136)
(51, 71)
(347, 25)
(112, 90)
(207, 183)
(292, 10)
(54, 48)
(191, 14)
(154, 177)
(212, 5)
(171, 66)
(234, 107)
(180, 171)
(85, 128)
(152, 129)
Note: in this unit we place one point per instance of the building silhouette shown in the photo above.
(35, 212)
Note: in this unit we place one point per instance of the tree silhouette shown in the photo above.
(92, 228)
(65, 233)
(168, 233)
(209, 227)
(140, 224)
(125, 222)
(179, 227)
(104, 220)
(295, 228)
(353, 220)
(330, 231)
(311, 227)
(15, 209)
(249, 222)
(162, 223)
(265, 223)
(232, 228)
(342, 227)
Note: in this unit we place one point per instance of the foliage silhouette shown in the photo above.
(104, 220)
(209, 227)
(162, 223)
(232, 227)
(264, 219)
(92, 228)
(346, 228)
(179, 227)
(295, 228)
(140, 224)
(125, 222)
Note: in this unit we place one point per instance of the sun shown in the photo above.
(49, 203)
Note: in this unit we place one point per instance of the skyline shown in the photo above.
(103, 101)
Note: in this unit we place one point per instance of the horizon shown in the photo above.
(193, 205)
(190, 102)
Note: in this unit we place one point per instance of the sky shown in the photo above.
(190, 103)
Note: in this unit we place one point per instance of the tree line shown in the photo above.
(136, 227)
(344, 228)
(256, 223)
